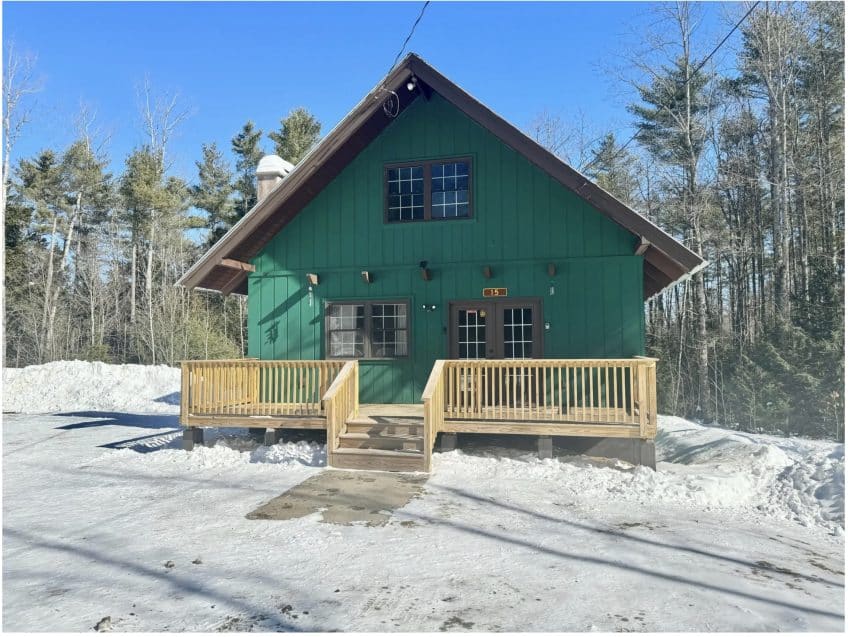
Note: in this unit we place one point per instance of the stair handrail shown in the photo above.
(433, 399)
(341, 403)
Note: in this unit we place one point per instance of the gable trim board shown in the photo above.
(666, 260)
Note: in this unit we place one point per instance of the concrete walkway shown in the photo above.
(345, 497)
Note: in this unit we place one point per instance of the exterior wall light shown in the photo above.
(429, 307)
(426, 273)
(366, 276)
(312, 280)
(487, 271)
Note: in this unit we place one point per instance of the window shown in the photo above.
(405, 193)
(449, 190)
(367, 330)
(429, 190)
(346, 333)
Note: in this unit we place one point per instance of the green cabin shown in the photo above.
(425, 227)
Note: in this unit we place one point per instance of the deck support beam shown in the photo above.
(191, 437)
(544, 447)
(636, 451)
(448, 441)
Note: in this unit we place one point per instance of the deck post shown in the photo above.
(544, 447)
(191, 437)
(448, 441)
(272, 437)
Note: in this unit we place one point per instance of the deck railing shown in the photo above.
(584, 391)
(434, 402)
(250, 387)
(342, 402)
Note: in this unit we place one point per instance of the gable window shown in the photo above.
(429, 190)
(367, 330)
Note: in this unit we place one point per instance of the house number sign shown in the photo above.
(495, 291)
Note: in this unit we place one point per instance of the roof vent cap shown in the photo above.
(274, 165)
(270, 172)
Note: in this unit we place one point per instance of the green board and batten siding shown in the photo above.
(522, 221)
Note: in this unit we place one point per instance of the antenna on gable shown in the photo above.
(392, 103)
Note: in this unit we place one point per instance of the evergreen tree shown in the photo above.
(613, 169)
(298, 133)
(213, 193)
(246, 147)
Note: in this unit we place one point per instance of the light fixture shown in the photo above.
(429, 307)
(426, 273)
(312, 280)
(366, 276)
(551, 269)
(487, 272)
(411, 83)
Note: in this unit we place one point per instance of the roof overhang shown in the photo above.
(666, 260)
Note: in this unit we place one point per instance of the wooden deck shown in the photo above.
(603, 398)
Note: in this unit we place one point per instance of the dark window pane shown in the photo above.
(449, 191)
(405, 188)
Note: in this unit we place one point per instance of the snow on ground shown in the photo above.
(733, 532)
(80, 385)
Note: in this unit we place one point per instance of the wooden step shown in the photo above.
(399, 442)
(378, 460)
(362, 420)
(374, 428)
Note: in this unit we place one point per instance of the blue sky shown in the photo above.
(236, 61)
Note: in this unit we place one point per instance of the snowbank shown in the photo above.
(69, 386)
(707, 468)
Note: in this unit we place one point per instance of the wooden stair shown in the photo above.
(383, 444)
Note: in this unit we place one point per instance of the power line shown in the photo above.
(410, 35)
(688, 79)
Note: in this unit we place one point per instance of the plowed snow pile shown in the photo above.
(699, 467)
(68, 386)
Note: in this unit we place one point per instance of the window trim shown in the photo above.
(426, 169)
(367, 328)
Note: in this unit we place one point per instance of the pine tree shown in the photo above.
(672, 127)
(213, 193)
(613, 169)
(299, 132)
(246, 147)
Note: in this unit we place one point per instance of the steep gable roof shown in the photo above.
(666, 259)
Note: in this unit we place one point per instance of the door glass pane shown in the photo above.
(472, 333)
(518, 332)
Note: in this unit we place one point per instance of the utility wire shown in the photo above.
(410, 35)
(687, 81)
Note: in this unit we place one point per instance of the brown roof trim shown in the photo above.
(670, 259)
